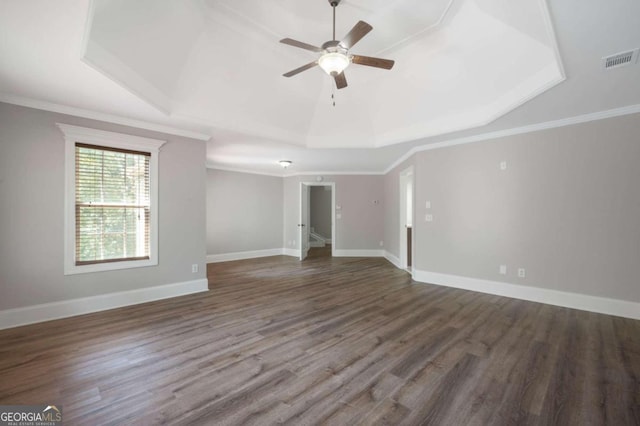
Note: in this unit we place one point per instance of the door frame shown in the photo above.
(406, 177)
(303, 220)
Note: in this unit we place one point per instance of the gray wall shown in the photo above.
(320, 210)
(362, 223)
(244, 212)
(32, 212)
(567, 209)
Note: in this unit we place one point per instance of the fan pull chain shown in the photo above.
(333, 95)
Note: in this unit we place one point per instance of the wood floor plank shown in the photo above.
(328, 341)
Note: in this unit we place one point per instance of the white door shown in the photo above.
(303, 224)
(406, 217)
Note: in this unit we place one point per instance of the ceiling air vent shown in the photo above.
(620, 59)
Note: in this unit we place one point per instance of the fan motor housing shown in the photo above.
(331, 44)
(334, 3)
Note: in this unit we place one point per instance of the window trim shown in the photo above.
(76, 134)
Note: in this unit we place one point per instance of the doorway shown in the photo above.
(406, 219)
(317, 231)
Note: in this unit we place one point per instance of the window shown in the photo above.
(112, 204)
(111, 194)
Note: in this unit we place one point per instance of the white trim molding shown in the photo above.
(334, 173)
(358, 253)
(68, 308)
(395, 261)
(291, 252)
(254, 254)
(75, 134)
(585, 118)
(100, 116)
(211, 166)
(583, 302)
(241, 255)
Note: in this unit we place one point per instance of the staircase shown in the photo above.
(317, 240)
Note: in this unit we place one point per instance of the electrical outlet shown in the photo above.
(194, 268)
(427, 205)
(503, 165)
(381, 243)
(428, 218)
(521, 273)
(338, 216)
(503, 269)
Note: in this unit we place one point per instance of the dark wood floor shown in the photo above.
(329, 340)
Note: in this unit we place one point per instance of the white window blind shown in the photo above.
(112, 204)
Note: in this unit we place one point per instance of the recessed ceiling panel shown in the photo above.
(143, 44)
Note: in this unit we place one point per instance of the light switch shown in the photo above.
(427, 205)
(428, 218)
(339, 216)
(338, 207)
(503, 165)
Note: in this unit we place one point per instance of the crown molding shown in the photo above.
(338, 173)
(585, 118)
(114, 119)
(239, 170)
(100, 116)
(286, 175)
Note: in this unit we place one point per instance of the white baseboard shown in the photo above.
(226, 257)
(291, 252)
(393, 259)
(579, 301)
(358, 253)
(254, 254)
(68, 308)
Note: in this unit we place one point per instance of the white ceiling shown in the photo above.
(214, 68)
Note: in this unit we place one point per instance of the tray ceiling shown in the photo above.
(218, 64)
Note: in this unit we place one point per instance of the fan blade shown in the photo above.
(301, 45)
(358, 31)
(373, 62)
(341, 80)
(302, 68)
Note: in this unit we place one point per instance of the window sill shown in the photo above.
(111, 266)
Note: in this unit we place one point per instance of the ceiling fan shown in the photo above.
(335, 56)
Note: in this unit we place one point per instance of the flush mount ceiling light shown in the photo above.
(335, 56)
(284, 163)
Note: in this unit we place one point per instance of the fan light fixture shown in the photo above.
(284, 163)
(335, 55)
(333, 63)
